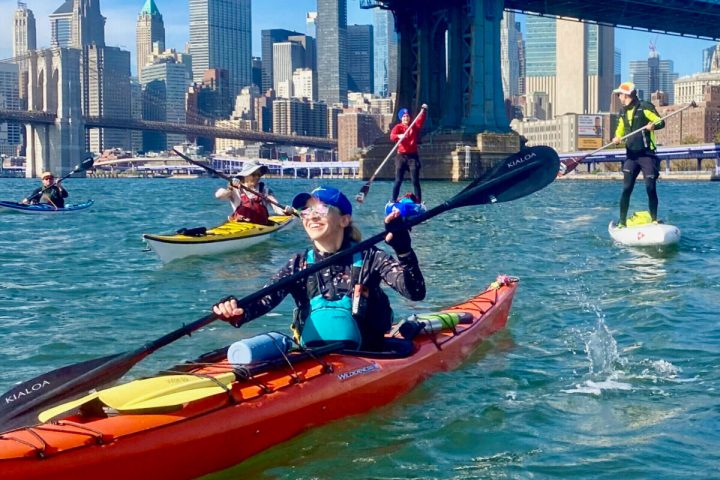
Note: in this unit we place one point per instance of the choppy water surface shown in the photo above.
(608, 367)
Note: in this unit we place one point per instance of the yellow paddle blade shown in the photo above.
(156, 393)
(164, 392)
(51, 413)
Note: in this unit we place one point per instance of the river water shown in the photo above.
(608, 367)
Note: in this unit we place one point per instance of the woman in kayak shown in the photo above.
(343, 302)
(49, 192)
(249, 206)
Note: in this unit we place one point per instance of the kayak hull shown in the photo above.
(42, 208)
(646, 235)
(213, 434)
(228, 237)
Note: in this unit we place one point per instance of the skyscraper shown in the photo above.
(24, 31)
(571, 57)
(150, 29)
(108, 94)
(385, 54)
(652, 75)
(24, 41)
(76, 24)
(10, 136)
(287, 56)
(267, 39)
(332, 42)
(509, 55)
(220, 37)
(360, 58)
(165, 83)
(707, 56)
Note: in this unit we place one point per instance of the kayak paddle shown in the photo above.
(81, 167)
(567, 166)
(516, 176)
(365, 189)
(169, 392)
(222, 175)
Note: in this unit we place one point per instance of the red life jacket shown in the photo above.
(252, 210)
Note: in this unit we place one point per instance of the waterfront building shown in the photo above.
(691, 88)
(150, 30)
(332, 56)
(695, 125)
(568, 133)
(360, 60)
(618, 67)
(10, 133)
(220, 37)
(358, 131)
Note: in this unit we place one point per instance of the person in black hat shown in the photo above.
(247, 205)
(343, 302)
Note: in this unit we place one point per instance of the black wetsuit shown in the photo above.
(403, 275)
(641, 155)
(55, 196)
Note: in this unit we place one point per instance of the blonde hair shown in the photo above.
(352, 232)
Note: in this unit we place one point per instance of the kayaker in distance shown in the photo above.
(640, 148)
(407, 157)
(247, 206)
(343, 302)
(49, 192)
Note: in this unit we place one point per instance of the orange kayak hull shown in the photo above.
(219, 432)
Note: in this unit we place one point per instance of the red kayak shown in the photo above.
(237, 413)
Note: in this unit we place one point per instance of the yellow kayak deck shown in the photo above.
(230, 230)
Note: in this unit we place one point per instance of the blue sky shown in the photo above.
(122, 14)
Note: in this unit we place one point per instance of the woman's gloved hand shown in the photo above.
(398, 236)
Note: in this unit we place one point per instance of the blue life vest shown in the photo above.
(331, 320)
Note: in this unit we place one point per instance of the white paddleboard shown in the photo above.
(650, 234)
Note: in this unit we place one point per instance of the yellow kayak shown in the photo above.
(228, 237)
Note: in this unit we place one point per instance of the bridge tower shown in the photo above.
(450, 59)
(54, 87)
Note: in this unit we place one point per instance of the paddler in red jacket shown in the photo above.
(407, 157)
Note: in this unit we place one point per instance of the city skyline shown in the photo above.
(121, 17)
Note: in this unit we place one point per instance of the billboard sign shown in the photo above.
(590, 126)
